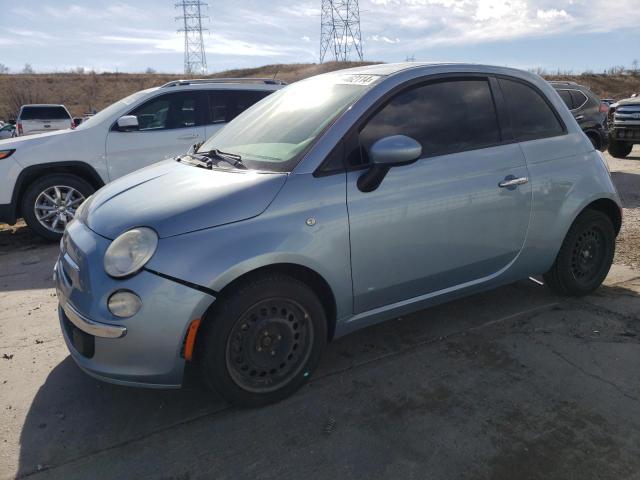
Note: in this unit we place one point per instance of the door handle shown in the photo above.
(579, 117)
(188, 137)
(513, 182)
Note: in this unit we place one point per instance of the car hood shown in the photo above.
(174, 198)
(627, 101)
(35, 139)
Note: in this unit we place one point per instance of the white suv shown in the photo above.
(44, 178)
(42, 118)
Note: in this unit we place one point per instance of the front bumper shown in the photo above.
(142, 350)
(622, 133)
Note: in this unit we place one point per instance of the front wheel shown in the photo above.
(619, 149)
(264, 341)
(585, 257)
(50, 203)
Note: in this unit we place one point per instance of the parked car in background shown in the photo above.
(77, 121)
(41, 118)
(624, 123)
(46, 177)
(7, 131)
(588, 110)
(608, 101)
(341, 201)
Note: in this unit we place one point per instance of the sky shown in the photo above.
(131, 36)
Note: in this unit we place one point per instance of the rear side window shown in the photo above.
(579, 98)
(566, 98)
(531, 116)
(445, 117)
(226, 105)
(44, 113)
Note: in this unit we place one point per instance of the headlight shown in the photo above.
(128, 253)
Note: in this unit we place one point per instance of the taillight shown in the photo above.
(19, 128)
(604, 108)
(73, 124)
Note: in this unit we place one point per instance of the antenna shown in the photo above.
(340, 29)
(195, 60)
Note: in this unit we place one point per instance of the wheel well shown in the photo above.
(30, 174)
(306, 275)
(609, 208)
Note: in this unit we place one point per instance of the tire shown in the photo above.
(36, 195)
(249, 367)
(585, 257)
(619, 150)
(595, 141)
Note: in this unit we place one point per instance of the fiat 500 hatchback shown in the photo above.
(335, 203)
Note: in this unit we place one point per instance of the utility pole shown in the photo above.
(195, 60)
(340, 29)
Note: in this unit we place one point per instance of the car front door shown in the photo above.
(168, 125)
(443, 220)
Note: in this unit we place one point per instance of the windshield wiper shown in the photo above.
(230, 158)
(196, 162)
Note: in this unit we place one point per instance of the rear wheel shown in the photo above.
(50, 203)
(619, 149)
(263, 341)
(585, 257)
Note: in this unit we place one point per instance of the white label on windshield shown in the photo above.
(359, 79)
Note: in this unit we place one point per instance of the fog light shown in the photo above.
(124, 304)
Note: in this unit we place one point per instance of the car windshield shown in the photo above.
(112, 109)
(274, 133)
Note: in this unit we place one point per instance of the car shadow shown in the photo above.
(628, 186)
(73, 415)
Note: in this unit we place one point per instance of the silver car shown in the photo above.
(339, 202)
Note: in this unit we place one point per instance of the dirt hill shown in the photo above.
(86, 92)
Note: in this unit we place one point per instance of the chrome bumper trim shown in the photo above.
(93, 328)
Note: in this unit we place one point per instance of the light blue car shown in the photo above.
(341, 201)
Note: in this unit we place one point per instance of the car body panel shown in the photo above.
(180, 198)
(450, 203)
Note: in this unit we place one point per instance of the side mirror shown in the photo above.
(128, 123)
(388, 152)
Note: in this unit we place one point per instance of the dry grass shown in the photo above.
(85, 92)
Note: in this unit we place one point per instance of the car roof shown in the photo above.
(43, 105)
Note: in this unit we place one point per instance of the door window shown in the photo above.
(445, 117)
(226, 105)
(531, 116)
(173, 110)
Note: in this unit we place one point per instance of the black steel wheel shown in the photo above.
(585, 257)
(269, 344)
(262, 340)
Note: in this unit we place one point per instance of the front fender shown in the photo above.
(215, 257)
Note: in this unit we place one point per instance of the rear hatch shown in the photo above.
(39, 119)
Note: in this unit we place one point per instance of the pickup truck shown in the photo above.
(624, 126)
(40, 118)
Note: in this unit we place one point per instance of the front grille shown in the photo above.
(82, 342)
(627, 115)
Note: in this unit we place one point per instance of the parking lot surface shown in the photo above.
(513, 383)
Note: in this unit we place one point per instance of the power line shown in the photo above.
(195, 60)
(340, 29)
